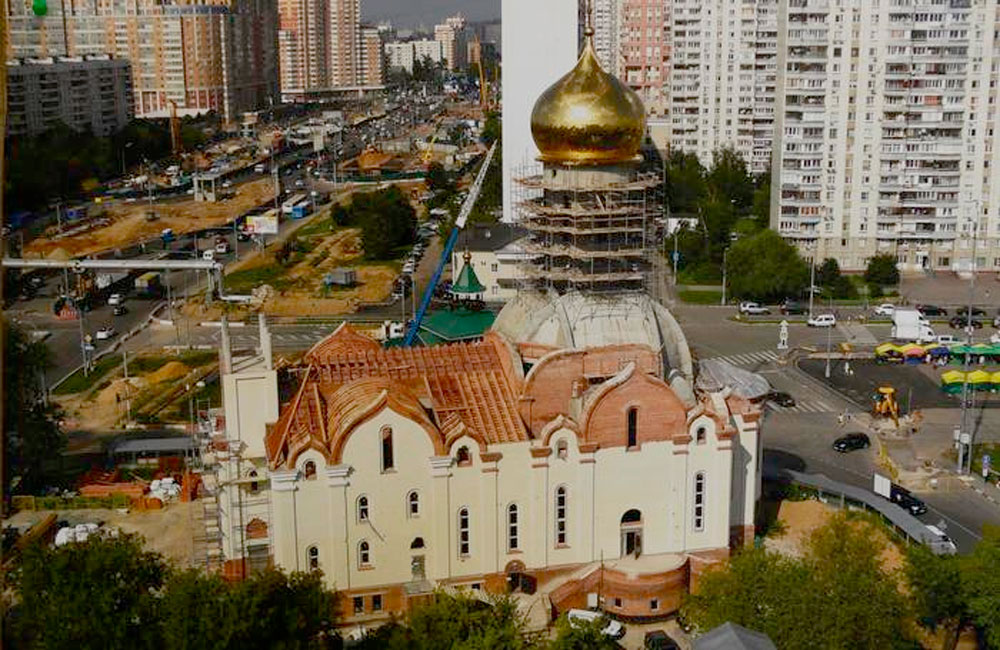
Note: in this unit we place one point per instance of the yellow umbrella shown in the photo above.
(887, 347)
(995, 378)
(952, 376)
(979, 377)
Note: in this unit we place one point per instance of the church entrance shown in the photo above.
(631, 533)
(417, 566)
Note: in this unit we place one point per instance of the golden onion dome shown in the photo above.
(588, 117)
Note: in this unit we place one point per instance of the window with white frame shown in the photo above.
(364, 554)
(699, 501)
(413, 504)
(463, 532)
(561, 504)
(512, 527)
(313, 556)
(362, 508)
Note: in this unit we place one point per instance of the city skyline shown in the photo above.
(427, 13)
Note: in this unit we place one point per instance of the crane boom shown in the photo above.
(463, 216)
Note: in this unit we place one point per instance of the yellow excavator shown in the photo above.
(884, 404)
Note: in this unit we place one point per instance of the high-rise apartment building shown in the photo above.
(644, 50)
(91, 93)
(303, 45)
(371, 57)
(722, 84)
(345, 42)
(451, 34)
(884, 138)
(606, 21)
(201, 56)
(404, 54)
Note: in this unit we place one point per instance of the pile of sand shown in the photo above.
(119, 390)
(168, 372)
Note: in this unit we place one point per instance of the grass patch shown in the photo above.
(248, 279)
(321, 225)
(78, 382)
(989, 449)
(701, 297)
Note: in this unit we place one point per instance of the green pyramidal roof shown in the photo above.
(467, 281)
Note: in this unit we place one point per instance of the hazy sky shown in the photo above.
(412, 13)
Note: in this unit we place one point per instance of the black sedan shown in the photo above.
(961, 322)
(932, 310)
(964, 311)
(908, 502)
(781, 399)
(851, 442)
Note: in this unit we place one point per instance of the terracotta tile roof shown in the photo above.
(442, 387)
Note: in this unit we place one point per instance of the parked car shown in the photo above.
(964, 311)
(753, 308)
(851, 442)
(119, 310)
(793, 307)
(116, 299)
(822, 320)
(947, 339)
(961, 322)
(942, 539)
(932, 310)
(885, 309)
(996, 322)
(781, 398)
(659, 640)
(105, 333)
(579, 617)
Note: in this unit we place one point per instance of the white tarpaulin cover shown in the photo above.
(716, 374)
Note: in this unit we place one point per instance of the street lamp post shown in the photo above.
(127, 145)
(725, 253)
(829, 338)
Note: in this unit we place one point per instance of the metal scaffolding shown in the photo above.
(589, 232)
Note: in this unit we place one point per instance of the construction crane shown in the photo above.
(463, 215)
(428, 153)
(484, 97)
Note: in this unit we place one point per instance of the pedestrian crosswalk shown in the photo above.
(750, 358)
(804, 406)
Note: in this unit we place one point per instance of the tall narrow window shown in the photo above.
(463, 532)
(512, 530)
(362, 508)
(413, 504)
(387, 463)
(561, 515)
(463, 457)
(631, 424)
(309, 470)
(364, 554)
(313, 554)
(254, 485)
(699, 501)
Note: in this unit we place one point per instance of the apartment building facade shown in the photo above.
(91, 93)
(884, 134)
(303, 45)
(372, 63)
(345, 54)
(451, 34)
(200, 56)
(644, 50)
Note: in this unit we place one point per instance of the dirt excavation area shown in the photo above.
(124, 224)
(169, 531)
(291, 282)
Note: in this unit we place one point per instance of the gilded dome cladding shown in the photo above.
(588, 117)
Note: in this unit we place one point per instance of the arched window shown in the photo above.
(699, 501)
(362, 508)
(364, 554)
(418, 542)
(512, 530)
(313, 554)
(561, 505)
(562, 449)
(254, 485)
(309, 469)
(463, 457)
(632, 425)
(387, 460)
(463, 532)
(413, 504)
(700, 434)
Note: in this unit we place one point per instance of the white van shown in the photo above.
(613, 629)
(822, 320)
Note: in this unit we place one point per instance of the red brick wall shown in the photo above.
(635, 593)
(661, 414)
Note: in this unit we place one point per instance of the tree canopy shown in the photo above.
(882, 270)
(836, 596)
(33, 436)
(387, 220)
(765, 267)
(111, 593)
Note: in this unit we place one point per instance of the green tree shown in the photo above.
(729, 181)
(438, 179)
(827, 273)
(582, 635)
(882, 270)
(685, 183)
(761, 209)
(836, 597)
(33, 436)
(939, 594)
(459, 622)
(765, 267)
(981, 581)
(387, 220)
(101, 593)
(492, 128)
